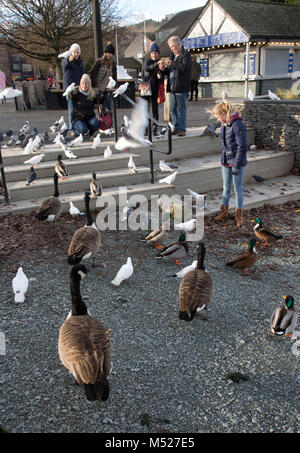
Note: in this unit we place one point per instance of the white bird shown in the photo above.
(96, 142)
(29, 147)
(111, 83)
(20, 285)
(10, 93)
(252, 147)
(36, 143)
(136, 131)
(35, 160)
(107, 152)
(124, 273)
(69, 153)
(58, 138)
(53, 128)
(273, 96)
(69, 89)
(188, 226)
(121, 89)
(185, 270)
(171, 126)
(65, 54)
(74, 211)
(163, 166)
(196, 195)
(131, 165)
(250, 95)
(127, 210)
(169, 179)
(126, 121)
(25, 128)
(77, 141)
(64, 127)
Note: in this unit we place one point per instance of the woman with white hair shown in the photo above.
(83, 100)
(73, 69)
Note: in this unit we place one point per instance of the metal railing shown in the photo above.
(6, 197)
(151, 121)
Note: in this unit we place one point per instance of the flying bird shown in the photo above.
(35, 160)
(211, 130)
(31, 176)
(20, 285)
(10, 93)
(69, 89)
(96, 142)
(169, 179)
(121, 89)
(124, 273)
(65, 54)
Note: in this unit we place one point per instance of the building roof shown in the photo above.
(260, 19)
(130, 63)
(178, 25)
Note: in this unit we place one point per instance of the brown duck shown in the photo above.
(265, 234)
(196, 289)
(83, 344)
(245, 259)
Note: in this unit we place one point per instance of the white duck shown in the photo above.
(20, 285)
(124, 273)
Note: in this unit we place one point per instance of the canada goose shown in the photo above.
(86, 241)
(245, 259)
(284, 318)
(50, 208)
(196, 289)
(83, 344)
(265, 234)
(95, 187)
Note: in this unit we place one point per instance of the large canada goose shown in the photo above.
(196, 289)
(50, 208)
(83, 344)
(86, 241)
(245, 259)
(284, 318)
(264, 233)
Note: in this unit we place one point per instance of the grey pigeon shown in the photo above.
(1, 137)
(31, 176)
(9, 133)
(211, 130)
(258, 178)
(46, 137)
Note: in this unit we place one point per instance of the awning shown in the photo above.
(235, 37)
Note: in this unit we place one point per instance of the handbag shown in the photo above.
(105, 120)
(161, 97)
(145, 89)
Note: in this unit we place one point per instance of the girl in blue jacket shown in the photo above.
(233, 159)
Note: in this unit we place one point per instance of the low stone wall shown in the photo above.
(276, 124)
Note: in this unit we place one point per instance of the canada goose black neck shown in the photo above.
(55, 179)
(201, 255)
(89, 218)
(78, 306)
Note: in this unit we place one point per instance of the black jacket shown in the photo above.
(72, 71)
(182, 72)
(83, 106)
(151, 72)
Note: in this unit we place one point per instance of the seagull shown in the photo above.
(77, 141)
(124, 273)
(185, 270)
(29, 147)
(31, 176)
(163, 166)
(35, 160)
(211, 130)
(20, 285)
(136, 131)
(169, 179)
(65, 54)
(69, 154)
(111, 83)
(74, 211)
(25, 128)
(273, 96)
(121, 89)
(10, 93)
(69, 89)
(131, 165)
(96, 142)
(258, 178)
(196, 195)
(253, 147)
(107, 152)
(186, 226)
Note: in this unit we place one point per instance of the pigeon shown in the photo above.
(46, 137)
(196, 195)
(77, 141)
(36, 144)
(29, 147)
(9, 133)
(253, 147)
(162, 133)
(185, 270)
(54, 128)
(95, 187)
(136, 131)
(69, 154)
(107, 152)
(127, 121)
(10, 93)
(96, 142)
(273, 96)
(35, 160)
(59, 139)
(186, 226)
(164, 167)
(131, 165)
(74, 211)
(11, 142)
(61, 121)
(65, 54)
(169, 179)
(31, 176)
(64, 127)
(21, 137)
(69, 89)
(127, 210)
(111, 83)
(211, 130)
(258, 178)
(121, 89)
(34, 132)
(124, 273)
(25, 128)
(20, 285)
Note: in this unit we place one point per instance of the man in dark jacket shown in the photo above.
(196, 71)
(178, 70)
(73, 69)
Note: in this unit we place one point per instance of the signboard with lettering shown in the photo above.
(251, 69)
(204, 67)
(234, 37)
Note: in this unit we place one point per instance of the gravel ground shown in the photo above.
(168, 376)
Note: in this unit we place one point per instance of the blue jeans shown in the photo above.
(238, 186)
(178, 110)
(82, 127)
(70, 111)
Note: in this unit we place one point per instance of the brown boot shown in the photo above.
(223, 214)
(239, 217)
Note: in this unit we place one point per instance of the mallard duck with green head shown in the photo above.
(264, 233)
(245, 259)
(175, 251)
(284, 318)
(196, 289)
